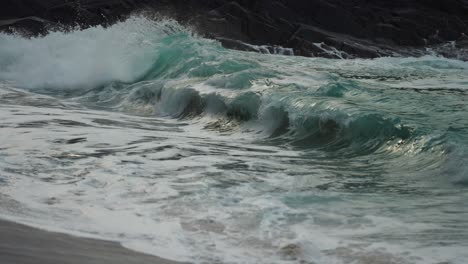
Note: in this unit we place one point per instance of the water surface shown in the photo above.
(146, 134)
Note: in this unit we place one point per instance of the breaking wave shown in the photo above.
(159, 67)
(396, 126)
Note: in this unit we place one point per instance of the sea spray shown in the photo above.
(86, 58)
(146, 134)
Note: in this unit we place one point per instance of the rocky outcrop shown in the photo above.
(327, 28)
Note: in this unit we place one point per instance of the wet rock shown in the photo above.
(291, 252)
(357, 28)
(462, 41)
(32, 23)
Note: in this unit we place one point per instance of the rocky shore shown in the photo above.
(323, 28)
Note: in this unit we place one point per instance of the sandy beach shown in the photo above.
(20, 244)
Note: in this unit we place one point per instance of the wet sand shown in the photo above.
(21, 244)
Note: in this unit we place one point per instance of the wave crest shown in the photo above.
(84, 59)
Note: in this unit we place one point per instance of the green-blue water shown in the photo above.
(213, 155)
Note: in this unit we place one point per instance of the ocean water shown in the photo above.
(147, 134)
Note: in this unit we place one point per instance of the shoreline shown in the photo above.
(21, 244)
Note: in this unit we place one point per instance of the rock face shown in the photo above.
(326, 28)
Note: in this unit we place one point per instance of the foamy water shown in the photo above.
(145, 134)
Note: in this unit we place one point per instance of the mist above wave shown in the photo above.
(82, 59)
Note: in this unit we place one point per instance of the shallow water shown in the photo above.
(146, 134)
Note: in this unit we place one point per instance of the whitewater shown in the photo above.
(147, 134)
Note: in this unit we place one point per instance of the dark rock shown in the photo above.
(25, 24)
(330, 28)
(462, 42)
(291, 252)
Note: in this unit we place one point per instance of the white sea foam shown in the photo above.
(83, 58)
(350, 182)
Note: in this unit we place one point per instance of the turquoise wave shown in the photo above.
(411, 112)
